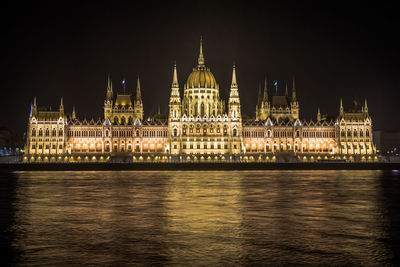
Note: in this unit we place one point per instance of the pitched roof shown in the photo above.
(123, 100)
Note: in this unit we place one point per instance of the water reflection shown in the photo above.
(202, 218)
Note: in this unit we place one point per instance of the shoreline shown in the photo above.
(194, 166)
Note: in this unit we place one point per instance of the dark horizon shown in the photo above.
(67, 49)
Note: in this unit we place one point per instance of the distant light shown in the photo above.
(123, 81)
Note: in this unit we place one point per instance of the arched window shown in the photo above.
(175, 132)
(361, 133)
(123, 120)
(137, 133)
(53, 132)
(355, 133)
(115, 120)
(47, 133)
(60, 132)
(367, 133)
(343, 134)
(234, 132)
(202, 110)
(348, 133)
(33, 132)
(297, 134)
(130, 120)
(106, 133)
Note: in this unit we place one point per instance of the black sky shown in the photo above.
(334, 49)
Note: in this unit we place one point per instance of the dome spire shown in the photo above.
(201, 57)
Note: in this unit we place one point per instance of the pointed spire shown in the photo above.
(175, 78)
(138, 94)
(234, 84)
(61, 107)
(318, 115)
(286, 90)
(73, 113)
(259, 100)
(34, 108)
(265, 98)
(366, 106)
(341, 107)
(109, 94)
(109, 84)
(293, 91)
(201, 57)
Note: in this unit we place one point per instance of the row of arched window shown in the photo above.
(290, 134)
(47, 132)
(355, 133)
(118, 133)
(123, 120)
(85, 133)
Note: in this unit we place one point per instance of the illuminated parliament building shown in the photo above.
(200, 126)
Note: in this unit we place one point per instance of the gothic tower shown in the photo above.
(108, 103)
(174, 117)
(235, 116)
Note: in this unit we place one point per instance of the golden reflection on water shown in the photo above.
(201, 218)
(204, 217)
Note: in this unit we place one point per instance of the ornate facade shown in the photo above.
(199, 127)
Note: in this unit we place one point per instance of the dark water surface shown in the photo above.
(203, 218)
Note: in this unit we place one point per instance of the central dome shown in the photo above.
(201, 77)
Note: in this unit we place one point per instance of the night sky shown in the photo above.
(334, 50)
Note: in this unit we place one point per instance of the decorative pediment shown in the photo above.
(297, 123)
(268, 122)
(107, 122)
(137, 122)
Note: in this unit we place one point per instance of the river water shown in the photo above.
(205, 218)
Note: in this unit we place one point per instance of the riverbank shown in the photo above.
(195, 166)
